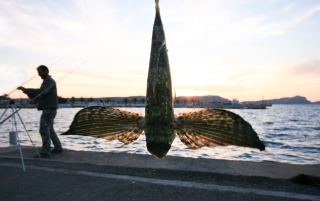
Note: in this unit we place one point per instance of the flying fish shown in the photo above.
(196, 129)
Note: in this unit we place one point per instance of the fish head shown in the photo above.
(158, 149)
(159, 139)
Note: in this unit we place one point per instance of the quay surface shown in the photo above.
(79, 175)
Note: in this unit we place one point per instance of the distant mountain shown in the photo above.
(120, 99)
(204, 99)
(210, 99)
(293, 100)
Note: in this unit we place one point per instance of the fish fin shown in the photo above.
(107, 123)
(215, 127)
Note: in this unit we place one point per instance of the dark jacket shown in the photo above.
(48, 98)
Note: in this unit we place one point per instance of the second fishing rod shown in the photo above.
(35, 76)
(43, 91)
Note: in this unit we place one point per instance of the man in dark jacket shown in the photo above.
(47, 101)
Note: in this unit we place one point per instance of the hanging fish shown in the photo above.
(206, 127)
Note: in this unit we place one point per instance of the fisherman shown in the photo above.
(47, 101)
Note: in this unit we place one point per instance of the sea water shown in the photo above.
(291, 134)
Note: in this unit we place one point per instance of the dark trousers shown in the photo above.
(47, 132)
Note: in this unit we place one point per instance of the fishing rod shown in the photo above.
(34, 76)
(74, 69)
(39, 95)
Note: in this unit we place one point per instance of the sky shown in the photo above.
(244, 49)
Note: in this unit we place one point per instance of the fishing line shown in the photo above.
(35, 76)
(39, 95)
(73, 70)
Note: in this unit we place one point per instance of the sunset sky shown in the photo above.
(244, 49)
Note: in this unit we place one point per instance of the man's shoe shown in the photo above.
(42, 155)
(56, 151)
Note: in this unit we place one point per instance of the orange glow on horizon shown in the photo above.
(189, 93)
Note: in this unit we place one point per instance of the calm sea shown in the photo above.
(291, 134)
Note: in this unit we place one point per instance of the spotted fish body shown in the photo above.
(206, 127)
(159, 112)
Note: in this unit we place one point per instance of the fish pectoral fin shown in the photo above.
(213, 127)
(108, 123)
(194, 141)
(124, 136)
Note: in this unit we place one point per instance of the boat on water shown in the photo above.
(64, 105)
(91, 104)
(262, 105)
(78, 105)
(256, 106)
(114, 104)
(234, 104)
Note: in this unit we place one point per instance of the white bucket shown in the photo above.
(13, 138)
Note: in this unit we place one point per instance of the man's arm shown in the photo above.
(45, 87)
(31, 93)
(22, 89)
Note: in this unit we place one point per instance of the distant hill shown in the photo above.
(120, 99)
(204, 99)
(293, 100)
(208, 99)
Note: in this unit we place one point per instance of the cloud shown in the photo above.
(307, 68)
(10, 78)
(229, 59)
(244, 75)
(84, 27)
(79, 29)
(258, 27)
(211, 43)
(216, 23)
(288, 7)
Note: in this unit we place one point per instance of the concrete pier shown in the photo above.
(79, 175)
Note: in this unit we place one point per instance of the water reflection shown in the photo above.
(295, 142)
